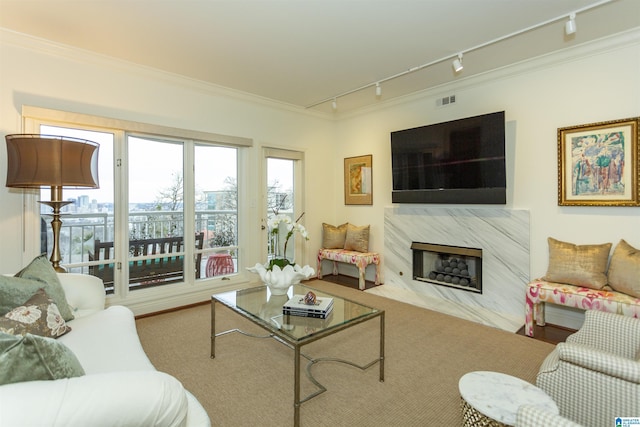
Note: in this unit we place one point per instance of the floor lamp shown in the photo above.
(36, 161)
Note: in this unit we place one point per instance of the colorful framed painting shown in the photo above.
(357, 180)
(598, 164)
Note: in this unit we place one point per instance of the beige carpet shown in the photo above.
(250, 382)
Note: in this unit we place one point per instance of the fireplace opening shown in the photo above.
(452, 266)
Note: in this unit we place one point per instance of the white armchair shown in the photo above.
(594, 377)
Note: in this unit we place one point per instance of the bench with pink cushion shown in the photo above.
(359, 259)
(539, 292)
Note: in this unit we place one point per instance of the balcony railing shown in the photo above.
(80, 230)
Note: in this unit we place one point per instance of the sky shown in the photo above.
(153, 166)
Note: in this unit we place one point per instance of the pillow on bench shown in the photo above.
(357, 238)
(579, 265)
(346, 236)
(624, 269)
(333, 237)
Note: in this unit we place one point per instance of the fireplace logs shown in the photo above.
(452, 266)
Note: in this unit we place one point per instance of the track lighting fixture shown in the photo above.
(457, 63)
(570, 26)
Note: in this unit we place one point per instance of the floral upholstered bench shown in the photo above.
(583, 276)
(348, 243)
(540, 292)
(359, 259)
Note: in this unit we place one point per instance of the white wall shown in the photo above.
(34, 72)
(592, 83)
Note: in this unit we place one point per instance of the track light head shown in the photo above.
(570, 25)
(334, 104)
(378, 90)
(457, 63)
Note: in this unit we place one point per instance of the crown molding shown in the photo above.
(47, 47)
(569, 54)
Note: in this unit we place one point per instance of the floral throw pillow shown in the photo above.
(38, 316)
(40, 270)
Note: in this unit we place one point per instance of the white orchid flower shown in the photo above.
(291, 227)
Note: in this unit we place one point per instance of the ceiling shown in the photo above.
(305, 53)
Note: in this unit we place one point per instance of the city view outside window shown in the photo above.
(151, 244)
(91, 216)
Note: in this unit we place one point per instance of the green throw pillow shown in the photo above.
(41, 270)
(35, 358)
(14, 291)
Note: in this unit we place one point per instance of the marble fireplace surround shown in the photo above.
(501, 233)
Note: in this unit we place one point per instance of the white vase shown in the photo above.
(280, 280)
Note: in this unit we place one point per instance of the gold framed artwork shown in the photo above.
(598, 164)
(357, 180)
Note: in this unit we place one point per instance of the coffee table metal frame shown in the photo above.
(297, 344)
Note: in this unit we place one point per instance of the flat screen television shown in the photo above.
(457, 162)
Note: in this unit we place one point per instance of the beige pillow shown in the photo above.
(357, 238)
(333, 237)
(579, 265)
(624, 269)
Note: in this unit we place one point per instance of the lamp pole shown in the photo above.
(56, 204)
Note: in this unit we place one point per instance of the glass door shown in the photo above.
(216, 210)
(156, 237)
(283, 200)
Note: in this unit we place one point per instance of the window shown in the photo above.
(166, 212)
(284, 185)
(216, 207)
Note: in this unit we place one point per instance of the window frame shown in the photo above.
(34, 117)
(298, 159)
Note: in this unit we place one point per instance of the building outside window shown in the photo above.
(166, 212)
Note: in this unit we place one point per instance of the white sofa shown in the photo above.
(120, 386)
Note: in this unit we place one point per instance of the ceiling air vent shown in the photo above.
(441, 102)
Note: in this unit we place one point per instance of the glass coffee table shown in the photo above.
(265, 310)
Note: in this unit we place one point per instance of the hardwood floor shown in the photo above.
(351, 282)
(553, 334)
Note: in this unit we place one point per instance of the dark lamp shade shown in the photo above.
(45, 160)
